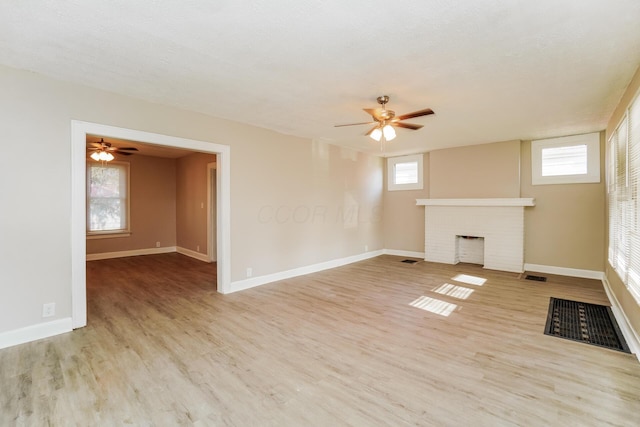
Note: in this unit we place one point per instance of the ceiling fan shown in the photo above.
(103, 151)
(385, 120)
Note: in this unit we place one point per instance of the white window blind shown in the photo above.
(107, 197)
(406, 173)
(633, 211)
(623, 162)
(571, 160)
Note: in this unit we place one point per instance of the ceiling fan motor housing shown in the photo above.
(384, 114)
(383, 99)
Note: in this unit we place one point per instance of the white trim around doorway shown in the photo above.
(211, 212)
(79, 131)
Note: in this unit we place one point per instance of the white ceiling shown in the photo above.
(492, 70)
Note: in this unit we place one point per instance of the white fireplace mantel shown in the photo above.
(500, 222)
(477, 202)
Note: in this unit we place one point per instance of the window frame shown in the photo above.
(623, 198)
(106, 234)
(391, 175)
(592, 142)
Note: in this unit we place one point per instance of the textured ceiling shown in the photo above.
(492, 70)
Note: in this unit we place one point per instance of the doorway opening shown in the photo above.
(79, 131)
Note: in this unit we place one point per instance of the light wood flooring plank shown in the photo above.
(339, 347)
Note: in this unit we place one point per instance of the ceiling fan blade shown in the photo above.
(355, 124)
(373, 112)
(406, 125)
(124, 153)
(127, 148)
(96, 144)
(420, 113)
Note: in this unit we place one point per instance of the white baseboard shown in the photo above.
(408, 254)
(252, 282)
(135, 252)
(192, 254)
(35, 332)
(630, 334)
(562, 271)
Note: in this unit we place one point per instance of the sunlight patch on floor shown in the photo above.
(470, 280)
(454, 291)
(434, 306)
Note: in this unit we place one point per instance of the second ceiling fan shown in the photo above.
(104, 151)
(385, 120)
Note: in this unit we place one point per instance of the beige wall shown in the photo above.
(191, 201)
(566, 226)
(309, 203)
(564, 229)
(477, 171)
(627, 302)
(326, 187)
(152, 209)
(403, 220)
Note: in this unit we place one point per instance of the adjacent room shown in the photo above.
(335, 213)
(149, 199)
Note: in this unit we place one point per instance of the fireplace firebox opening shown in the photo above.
(470, 249)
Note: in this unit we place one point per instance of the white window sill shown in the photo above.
(108, 235)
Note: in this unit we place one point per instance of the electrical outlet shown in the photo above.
(249, 272)
(49, 309)
(157, 244)
(366, 248)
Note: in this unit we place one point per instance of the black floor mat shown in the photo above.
(409, 261)
(588, 323)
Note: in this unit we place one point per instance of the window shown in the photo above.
(404, 173)
(623, 185)
(566, 160)
(107, 198)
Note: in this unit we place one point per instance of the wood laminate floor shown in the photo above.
(339, 347)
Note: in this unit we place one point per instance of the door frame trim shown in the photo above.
(79, 131)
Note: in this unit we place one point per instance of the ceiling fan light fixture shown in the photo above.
(389, 132)
(102, 156)
(376, 134)
(104, 151)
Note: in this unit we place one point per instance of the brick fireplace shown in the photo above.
(499, 222)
